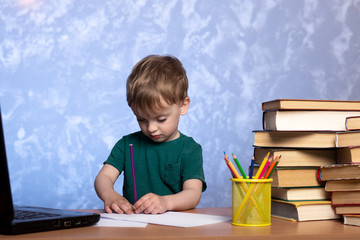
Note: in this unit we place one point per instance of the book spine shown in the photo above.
(318, 174)
(263, 121)
(336, 139)
(346, 123)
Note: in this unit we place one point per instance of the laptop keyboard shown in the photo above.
(24, 215)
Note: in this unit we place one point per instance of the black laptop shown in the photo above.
(18, 220)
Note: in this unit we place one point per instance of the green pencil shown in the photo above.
(239, 166)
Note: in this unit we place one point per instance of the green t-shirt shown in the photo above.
(160, 168)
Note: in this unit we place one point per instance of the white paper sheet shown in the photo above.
(108, 222)
(177, 219)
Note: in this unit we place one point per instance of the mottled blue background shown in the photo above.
(64, 63)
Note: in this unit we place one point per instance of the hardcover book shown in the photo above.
(288, 120)
(300, 194)
(352, 220)
(308, 104)
(292, 157)
(345, 198)
(303, 210)
(342, 185)
(348, 155)
(352, 123)
(294, 177)
(339, 172)
(347, 209)
(306, 139)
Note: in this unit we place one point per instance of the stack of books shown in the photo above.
(307, 134)
(343, 182)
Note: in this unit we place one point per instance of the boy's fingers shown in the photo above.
(150, 210)
(108, 209)
(138, 204)
(139, 207)
(116, 208)
(145, 206)
(139, 210)
(127, 209)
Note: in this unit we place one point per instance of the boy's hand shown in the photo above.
(117, 203)
(151, 204)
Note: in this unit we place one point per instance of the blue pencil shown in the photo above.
(251, 168)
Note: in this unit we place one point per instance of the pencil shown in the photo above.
(262, 166)
(239, 166)
(265, 167)
(133, 171)
(252, 167)
(272, 170)
(232, 173)
(231, 166)
(272, 165)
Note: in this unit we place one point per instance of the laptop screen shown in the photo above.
(6, 205)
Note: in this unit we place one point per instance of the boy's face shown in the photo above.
(162, 125)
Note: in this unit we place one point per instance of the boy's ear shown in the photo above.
(185, 106)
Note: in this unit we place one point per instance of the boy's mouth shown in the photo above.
(155, 136)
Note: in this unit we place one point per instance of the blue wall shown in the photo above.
(63, 67)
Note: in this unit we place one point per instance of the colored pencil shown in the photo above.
(232, 173)
(252, 168)
(239, 166)
(133, 171)
(231, 167)
(265, 167)
(272, 165)
(262, 166)
(272, 170)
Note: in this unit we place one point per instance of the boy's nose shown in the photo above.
(152, 127)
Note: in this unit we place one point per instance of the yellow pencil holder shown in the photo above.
(251, 202)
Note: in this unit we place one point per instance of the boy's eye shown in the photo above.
(162, 119)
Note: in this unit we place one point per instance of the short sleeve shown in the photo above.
(193, 163)
(117, 156)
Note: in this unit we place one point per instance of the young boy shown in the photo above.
(168, 164)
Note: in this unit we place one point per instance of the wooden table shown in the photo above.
(279, 229)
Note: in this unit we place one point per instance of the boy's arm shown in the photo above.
(188, 198)
(104, 186)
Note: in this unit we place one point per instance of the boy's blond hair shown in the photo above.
(156, 79)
